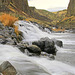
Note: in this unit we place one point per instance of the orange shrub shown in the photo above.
(16, 30)
(8, 20)
(28, 19)
(58, 29)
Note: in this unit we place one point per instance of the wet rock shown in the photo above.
(58, 42)
(3, 41)
(22, 46)
(7, 41)
(40, 44)
(10, 41)
(47, 45)
(34, 49)
(7, 69)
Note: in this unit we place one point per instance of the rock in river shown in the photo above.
(34, 49)
(7, 69)
(46, 45)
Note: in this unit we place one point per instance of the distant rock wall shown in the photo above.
(71, 8)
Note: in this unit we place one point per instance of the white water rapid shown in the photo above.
(26, 65)
(31, 32)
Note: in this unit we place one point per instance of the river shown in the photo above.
(64, 64)
(67, 53)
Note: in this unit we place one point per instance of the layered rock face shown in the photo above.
(71, 8)
(20, 4)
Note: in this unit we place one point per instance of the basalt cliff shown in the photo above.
(71, 8)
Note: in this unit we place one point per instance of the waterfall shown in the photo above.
(31, 32)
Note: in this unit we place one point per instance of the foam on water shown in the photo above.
(21, 62)
(63, 50)
(31, 32)
(55, 67)
(9, 53)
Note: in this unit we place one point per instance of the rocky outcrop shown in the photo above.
(8, 35)
(7, 69)
(71, 8)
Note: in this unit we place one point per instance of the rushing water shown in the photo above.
(67, 53)
(25, 65)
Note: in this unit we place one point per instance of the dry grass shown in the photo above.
(9, 20)
(69, 18)
(56, 30)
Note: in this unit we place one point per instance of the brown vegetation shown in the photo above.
(9, 20)
(57, 30)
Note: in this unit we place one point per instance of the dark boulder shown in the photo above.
(40, 44)
(34, 49)
(58, 42)
(7, 69)
(46, 45)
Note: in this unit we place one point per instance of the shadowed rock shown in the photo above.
(58, 42)
(7, 69)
